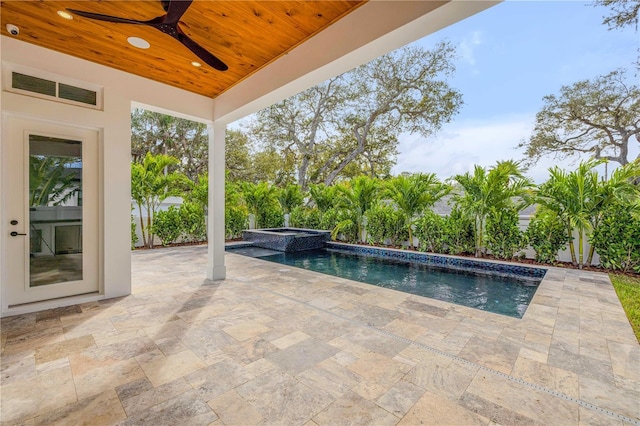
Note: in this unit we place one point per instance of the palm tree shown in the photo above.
(357, 196)
(259, 198)
(413, 194)
(323, 196)
(290, 197)
(496, 188)
(52, 180)
(151, 185)
(572, 195)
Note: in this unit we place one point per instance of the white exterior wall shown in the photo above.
(121, 92)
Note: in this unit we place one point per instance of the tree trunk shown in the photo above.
(149, 230)
(302, 173)
(572, 247)
(590, 257)
(144, 237)
(580, 249)
(361, 138)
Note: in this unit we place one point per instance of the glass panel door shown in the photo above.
(50, 205)
(55, 210)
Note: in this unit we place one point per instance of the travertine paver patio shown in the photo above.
(278, 345)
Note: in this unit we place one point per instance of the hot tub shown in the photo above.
(287, 239)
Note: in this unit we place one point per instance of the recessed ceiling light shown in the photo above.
(196, 64)
(138, 42)
(64, 14)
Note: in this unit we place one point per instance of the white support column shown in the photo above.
(216, 269)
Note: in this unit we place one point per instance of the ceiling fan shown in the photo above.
(168, 24)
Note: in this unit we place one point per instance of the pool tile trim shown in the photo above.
(453, 262)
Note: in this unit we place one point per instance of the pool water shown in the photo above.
(493, 293)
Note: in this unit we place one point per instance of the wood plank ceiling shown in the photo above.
(246, 35)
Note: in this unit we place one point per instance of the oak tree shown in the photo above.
(599, 117)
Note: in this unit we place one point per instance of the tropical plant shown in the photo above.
(343, 223)
(430, 231)
(198, 192)
(134, 235)
(459, 232)
(290, 197)
(413, 194)
(323, 196)
(235, 221)
(272, 217)
(261, 201)
(504, 237)
(385, 222)
(235, 213)
(330, 219)
(357, 196)
(151, 184)
(620, 189)
(579, 197)
(305, 217)
(192, 222)
(167, 225)
(52, 182)
(484, 190)
(617, 238)
(568, 194)
(547, 235)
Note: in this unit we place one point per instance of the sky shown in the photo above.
(509, 57)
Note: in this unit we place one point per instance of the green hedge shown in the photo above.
(547, 235)
(617, 239)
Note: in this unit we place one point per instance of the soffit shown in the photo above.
(246, 35)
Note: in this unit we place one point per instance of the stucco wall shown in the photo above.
(121, 92)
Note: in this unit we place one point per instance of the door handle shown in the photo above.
(15, 234)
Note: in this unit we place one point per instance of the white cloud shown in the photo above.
(468, 45)
(461, 146)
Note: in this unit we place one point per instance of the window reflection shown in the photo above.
(55, 210)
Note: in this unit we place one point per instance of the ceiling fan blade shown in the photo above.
(175, 9)
(105, 18)
(201, 52)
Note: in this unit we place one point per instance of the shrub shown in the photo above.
(235, 221)
(546, 235)
(305, 217)
(193, 225)
(504, 237)
(459, 237)
(261, 201)
(342, 223)
(134, 236)
(290, 197)
(167, 225)
(430, 230)
(376, 223)
(271, 216)
(617, 239)
(329, 219)
(385, 222)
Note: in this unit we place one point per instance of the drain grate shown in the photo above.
(530, 385)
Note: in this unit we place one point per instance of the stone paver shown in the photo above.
(278, 345)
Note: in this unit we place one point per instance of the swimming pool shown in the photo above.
(502, 292)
